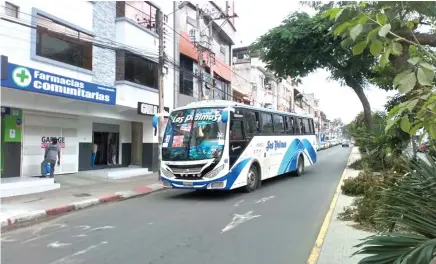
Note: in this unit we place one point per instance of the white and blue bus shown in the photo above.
(225, 145)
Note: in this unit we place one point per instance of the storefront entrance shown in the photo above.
(107, 144)
(11, 136)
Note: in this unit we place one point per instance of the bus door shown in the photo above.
(237, 139)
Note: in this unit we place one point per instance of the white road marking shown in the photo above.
(7, 239)
(81, 252)
(58, 244)
(238, 203)
(239, 219)
(84, 227)
(34, 238)
(94, 229)
(265, 199)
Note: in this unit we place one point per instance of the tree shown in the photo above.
(303, 44)
(395, 33)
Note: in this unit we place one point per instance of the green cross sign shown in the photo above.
(21, 77)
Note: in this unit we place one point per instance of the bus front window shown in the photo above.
(194, 134)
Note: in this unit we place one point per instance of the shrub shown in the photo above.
(360, 184)
(357, 165)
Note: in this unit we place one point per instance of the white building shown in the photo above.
(188, 36)
(78, 71)
(255, 85)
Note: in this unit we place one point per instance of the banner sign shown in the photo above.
(33, 80)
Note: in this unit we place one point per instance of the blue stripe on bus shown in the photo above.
(290, 158)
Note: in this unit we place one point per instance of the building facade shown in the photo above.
(192, 32)
(80, 79)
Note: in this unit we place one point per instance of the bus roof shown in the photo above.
(225, 103)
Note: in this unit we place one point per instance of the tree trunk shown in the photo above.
(362, 97)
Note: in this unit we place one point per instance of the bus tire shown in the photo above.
(252, 179)
(300, 166)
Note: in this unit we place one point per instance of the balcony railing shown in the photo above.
(141, 12)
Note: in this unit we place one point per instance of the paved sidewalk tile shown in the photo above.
(76, 194)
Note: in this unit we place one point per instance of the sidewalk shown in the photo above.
(76, 192)
(341, 237)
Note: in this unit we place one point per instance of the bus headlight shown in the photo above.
(167, 173)
(214, 172)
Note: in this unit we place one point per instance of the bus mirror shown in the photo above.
(224, 116)
(155, 121)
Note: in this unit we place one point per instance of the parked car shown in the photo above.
(345, 143)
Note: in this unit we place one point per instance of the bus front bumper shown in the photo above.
(215, 184)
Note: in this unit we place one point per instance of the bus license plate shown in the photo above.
(188, 184)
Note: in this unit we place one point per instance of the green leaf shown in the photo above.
(362, 4)
(415, 127)
(338, 14)
(410, 25)
(334, 12)
(405, 124)
(346, 43)
(400, 77)
(327, 13)
(355, 31)
(397, 49)
(414, 60)
(426, 65)
(407, 83)
(389, 124)
(341, 28)
(376, 48)
(362, 19)
(431, 129)
(359, 48)
(385, 57)
(381, 19)
(384, 30)
(423, 79)
(411, 104)
(372, 34)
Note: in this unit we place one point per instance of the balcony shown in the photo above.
(136, 25)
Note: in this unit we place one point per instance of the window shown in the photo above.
(306, 126)
(267, 125)
(141, 12)
(312, 127)
(11, 10)
(186, 76)
(298, 126)
(279, 127)
(141, 71)
(290, 125)
(64, 44)
(237, 125)
(252, 123)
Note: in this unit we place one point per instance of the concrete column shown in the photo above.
(137, 132)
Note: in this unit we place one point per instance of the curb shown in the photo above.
(118, 196)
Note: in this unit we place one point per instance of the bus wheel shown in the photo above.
(252, 180)
(300, 166)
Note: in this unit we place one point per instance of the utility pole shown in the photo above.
(211, 60)
(200, 53)
(160, 28)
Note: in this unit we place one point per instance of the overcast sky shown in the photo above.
(335, 100)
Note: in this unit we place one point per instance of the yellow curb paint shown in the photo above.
(316, 250)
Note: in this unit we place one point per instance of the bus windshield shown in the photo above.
(194, 134)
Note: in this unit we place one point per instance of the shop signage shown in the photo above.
(149, 109)
(33, 80)
(45, 141)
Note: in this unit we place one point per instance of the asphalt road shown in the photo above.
(276, 224)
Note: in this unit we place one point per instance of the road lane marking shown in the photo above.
(265, 199)
(58, 244)
(238, 203)
(81, 252)
(239, 219)
(37, 231)
(316, 250)
(7, 239)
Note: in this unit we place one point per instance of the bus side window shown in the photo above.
(312, 127)
(236, 128)
(278, 124)
(251, 123)
(306, 125)
(291, 125)
(286, 124)
(267, 124)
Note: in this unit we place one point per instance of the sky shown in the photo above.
(336, 101)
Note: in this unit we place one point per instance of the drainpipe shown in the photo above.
(176, 55)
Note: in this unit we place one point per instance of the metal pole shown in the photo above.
(200, 53)
(160, 24)
(211, 58)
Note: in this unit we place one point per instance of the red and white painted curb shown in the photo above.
(39, 214)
